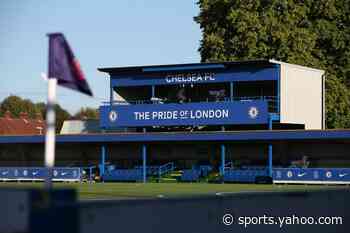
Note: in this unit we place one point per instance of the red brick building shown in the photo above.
(22, 125)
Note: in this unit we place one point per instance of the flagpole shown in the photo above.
(50, 131)
(62, 66)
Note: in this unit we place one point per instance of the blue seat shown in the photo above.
(123, 175)
(247, 175)
(190, 175)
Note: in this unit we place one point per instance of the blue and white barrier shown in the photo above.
(311, 175)
(39, 173)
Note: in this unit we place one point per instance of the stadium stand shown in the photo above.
(200, 116)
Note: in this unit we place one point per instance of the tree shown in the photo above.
(87, 113)
(61, 114)
(338, 102)
(307, 32)
(16, 105)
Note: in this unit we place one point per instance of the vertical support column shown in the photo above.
(111, 96)
(223, 155)
(103, 160)
(270, 150)
(279, 89)
(153, 91)
(270, 160)
(231, 91)
(111, 99)
(144, 163)
(90, 174)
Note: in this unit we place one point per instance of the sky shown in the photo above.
(101, 34)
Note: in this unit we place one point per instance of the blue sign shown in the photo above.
(39, 173)
(211, 113)
(251, 74)
(311, 175)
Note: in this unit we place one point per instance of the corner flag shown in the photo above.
(64, 70)
(63, 66)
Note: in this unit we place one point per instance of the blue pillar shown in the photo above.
(111, 92)
(144, 160)
(270, 122)
(90, 174)
(270, 160)
(111, 95)
(279, 90)
(103, 160)
(223, 154)
(153, 91)
(270, 150)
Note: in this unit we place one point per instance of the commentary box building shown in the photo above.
(205, 95)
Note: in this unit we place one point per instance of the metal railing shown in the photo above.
(166, 168)
(272, 101)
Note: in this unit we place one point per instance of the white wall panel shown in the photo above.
(301, 96)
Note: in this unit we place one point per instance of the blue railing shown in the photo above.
(272, 101)
(155, 170)
(228, 165)
(166, 168)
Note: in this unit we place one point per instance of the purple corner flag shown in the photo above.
(64, 66)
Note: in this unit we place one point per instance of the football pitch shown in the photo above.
(100, 191)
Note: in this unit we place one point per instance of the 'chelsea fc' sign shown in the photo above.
(189, 78)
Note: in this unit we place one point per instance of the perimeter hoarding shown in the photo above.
(213, 113)
(40, 173)
(311, 175)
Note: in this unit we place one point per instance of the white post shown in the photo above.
(50, 130)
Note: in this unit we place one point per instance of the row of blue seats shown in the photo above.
(244, 176)
(123, 175)
(150, 170)
(253, 168)
(205, 169)
(190, 175)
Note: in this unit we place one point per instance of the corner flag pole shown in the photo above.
(64, 70)
(50, 137)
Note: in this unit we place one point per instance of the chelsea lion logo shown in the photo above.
(253, 112)
(113, 116)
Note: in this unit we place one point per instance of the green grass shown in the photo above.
(139, 190)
